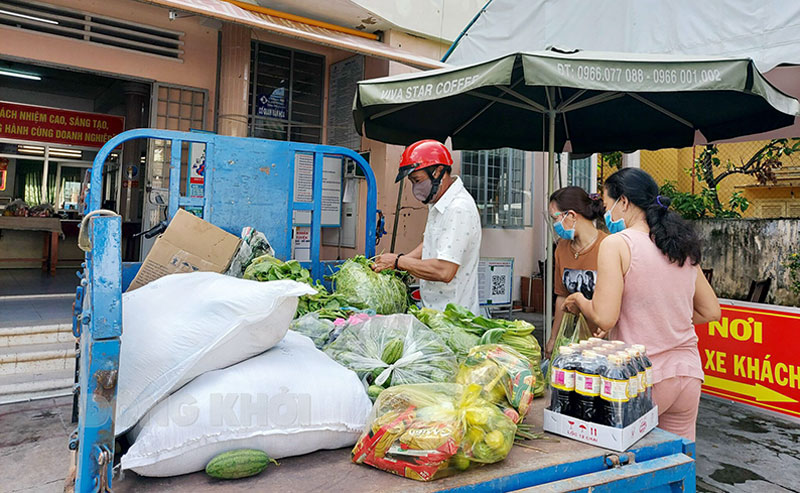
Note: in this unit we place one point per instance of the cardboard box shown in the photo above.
(189, 244)
(618, 439)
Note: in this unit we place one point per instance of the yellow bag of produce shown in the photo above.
(506, 377)
(427, 431)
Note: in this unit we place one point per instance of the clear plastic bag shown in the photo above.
(573, 329)
(505, 376)
(428, 431)
(454, 335)
(319, 330)
(364, 288)
(254, 244)
(392, 350)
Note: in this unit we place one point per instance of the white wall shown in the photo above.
(435, 19)
(527, 246)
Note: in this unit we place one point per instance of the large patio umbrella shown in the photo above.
(580, 101)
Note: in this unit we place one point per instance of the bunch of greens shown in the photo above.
(385, 292)
(268, 268)
(327, 305)
(515, 333)
(452, 332)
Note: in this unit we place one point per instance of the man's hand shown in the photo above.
(383, 262)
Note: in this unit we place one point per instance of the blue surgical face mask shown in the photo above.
(558, 227)
(614, 226)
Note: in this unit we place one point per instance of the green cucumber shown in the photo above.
(237, 464)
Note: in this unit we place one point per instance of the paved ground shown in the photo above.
(743, 450)
(31, 297)
(15, 282)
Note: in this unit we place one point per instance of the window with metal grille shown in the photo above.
(496, 180)
(579, 173)
(286, 94)
(87, 26)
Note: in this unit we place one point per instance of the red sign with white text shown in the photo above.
(752, 355)
(41, 124)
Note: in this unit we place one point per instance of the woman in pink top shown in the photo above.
(650, 290)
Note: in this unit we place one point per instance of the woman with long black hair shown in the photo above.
(650, 290)
(573, 213)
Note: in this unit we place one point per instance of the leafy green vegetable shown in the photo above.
(452, 333)
(326, 305)
(363, 288)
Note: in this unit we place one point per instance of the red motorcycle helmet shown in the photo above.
(421, 155)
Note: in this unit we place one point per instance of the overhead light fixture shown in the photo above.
(29, 17)
(33, 150)
(19, 75)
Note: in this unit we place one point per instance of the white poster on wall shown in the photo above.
(303, 177)
(331, 190)
(495, 281)
(302, 244)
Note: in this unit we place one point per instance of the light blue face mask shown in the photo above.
(614, 226)
(558, 227)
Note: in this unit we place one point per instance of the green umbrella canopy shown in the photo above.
(600, 102)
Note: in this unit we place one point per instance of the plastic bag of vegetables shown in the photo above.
(392, 350)
(384, 292)
(319, 330)
(454, 335)
(427, 431)
(505, 376)
(517, 334)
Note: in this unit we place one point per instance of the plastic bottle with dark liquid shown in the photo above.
(587, 387)
(562, 381)
(614, 392)
(634, 406)
(648, 367)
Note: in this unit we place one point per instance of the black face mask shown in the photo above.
(419, 188)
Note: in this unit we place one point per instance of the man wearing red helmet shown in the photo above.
(446, 262)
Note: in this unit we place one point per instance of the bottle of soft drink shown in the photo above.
(614, 392)
(587, 387)
(648, 369)
(634, 406)
(562, 381)
(636, 358)
(641, 381)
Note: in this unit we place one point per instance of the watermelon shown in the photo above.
(393, 351)
(236, 464)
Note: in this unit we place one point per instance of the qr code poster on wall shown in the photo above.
(495, 277)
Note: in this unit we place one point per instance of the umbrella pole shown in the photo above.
(397, 214)
(548, 279)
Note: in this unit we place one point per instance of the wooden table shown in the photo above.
(50, 226)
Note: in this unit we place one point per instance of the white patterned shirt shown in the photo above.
(453, 233)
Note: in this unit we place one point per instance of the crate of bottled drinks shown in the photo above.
(601, 393)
